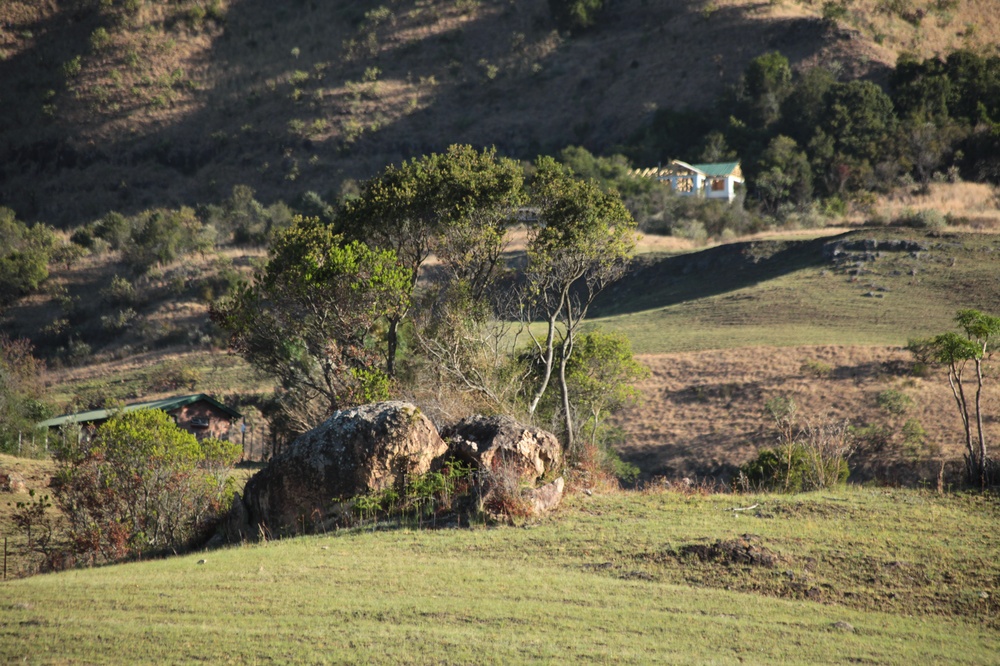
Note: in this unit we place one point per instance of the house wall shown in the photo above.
(219, 422)
(728, 192)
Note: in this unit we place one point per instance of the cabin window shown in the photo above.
(718, 185)
(683, 185)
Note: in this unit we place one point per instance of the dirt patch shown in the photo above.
(746, 550)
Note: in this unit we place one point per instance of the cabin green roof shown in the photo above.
(717, 169)
(165, 404)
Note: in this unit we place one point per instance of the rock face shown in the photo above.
(355, 451)
(486, 440)
(12, 482)
(547, 497)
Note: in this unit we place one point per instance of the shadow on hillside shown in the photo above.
(675, 460)
(659, 282)
(499, 77)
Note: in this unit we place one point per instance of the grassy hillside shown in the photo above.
(136, 104)
(796, 292)
(889, 577)
(707, 323)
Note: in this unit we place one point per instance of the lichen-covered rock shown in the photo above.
(485, 440)
(12, 482)
(368, 448)
(546, 498)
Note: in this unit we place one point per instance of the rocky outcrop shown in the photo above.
(485, 441)
(355, 451)
(12, 482)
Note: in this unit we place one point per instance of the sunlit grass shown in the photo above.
(797, 297)
(593, 583)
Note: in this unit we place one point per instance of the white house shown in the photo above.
(712, 181)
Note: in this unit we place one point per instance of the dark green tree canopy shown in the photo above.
(457, 205)
(311, 318)
(24, 256)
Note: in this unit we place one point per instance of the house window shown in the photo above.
(683, 185)
(718, 185)
(199, 422)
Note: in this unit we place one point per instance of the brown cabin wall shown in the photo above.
(219, 422)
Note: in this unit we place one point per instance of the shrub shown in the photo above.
(119, 321)
(173, 375)
(834, 11)
(894, 402)
(72, 67)
(161, 236)
(575, 15)
(140, 485)
(82, 237)
(100, 39)
(21, 391)
(119, 292)
(503, 491)
(923, 219)
(923, 356)
(24, 256)
(808, 458)
(113, 228)
(424, 497)
(796, 467)
(817, 369)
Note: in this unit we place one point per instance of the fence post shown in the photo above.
(5, 558)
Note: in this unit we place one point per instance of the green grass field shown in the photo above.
(785, 293)
(864, 575)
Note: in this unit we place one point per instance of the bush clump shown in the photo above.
(794, 468)
(142, 485)
(923, 219)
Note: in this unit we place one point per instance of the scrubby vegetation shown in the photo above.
(141, 485)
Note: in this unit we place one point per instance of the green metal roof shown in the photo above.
(165, 404)
(718, 169)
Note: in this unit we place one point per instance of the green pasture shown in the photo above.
(784, 293)
(864, 575)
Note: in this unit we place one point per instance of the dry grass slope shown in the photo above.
(142, 104)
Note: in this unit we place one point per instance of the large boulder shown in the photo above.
(356, 451)
(485, 441)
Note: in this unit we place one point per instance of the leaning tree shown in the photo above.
(578, 244)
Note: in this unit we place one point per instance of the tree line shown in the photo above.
(810, 135)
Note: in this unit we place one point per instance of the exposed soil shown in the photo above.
(745, 550)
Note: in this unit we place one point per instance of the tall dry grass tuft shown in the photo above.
(973, 206)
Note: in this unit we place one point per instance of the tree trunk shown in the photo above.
(548, 356)
(981, 461)
(564, 389)
(958, 391)
(392, 342)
